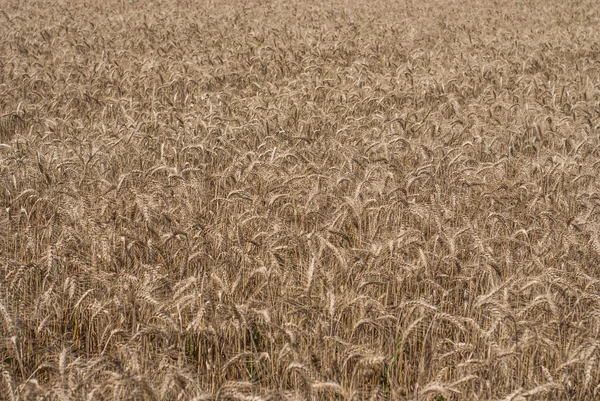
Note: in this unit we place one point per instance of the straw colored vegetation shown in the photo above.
(279, 200)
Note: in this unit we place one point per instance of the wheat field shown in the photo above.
(299, 200)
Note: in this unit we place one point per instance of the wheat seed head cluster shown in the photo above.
(299, 200)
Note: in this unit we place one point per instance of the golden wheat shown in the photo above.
(346, 200)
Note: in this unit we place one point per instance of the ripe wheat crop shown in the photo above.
(311, 200)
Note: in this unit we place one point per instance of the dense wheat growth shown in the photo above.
(281, 200)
